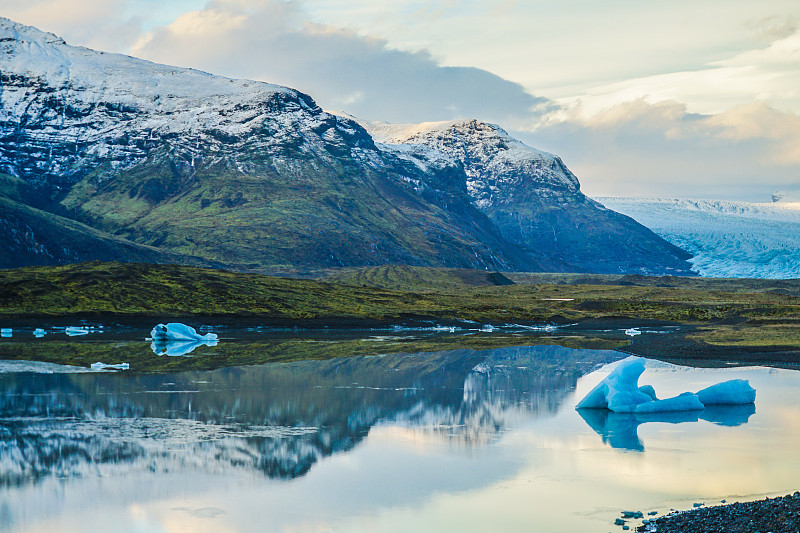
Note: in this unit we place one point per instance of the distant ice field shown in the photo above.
(728, 239)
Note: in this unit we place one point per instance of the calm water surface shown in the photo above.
(449, 441)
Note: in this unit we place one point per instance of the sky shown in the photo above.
(686, 98)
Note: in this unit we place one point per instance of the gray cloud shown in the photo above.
(270, 41)
(773, 27)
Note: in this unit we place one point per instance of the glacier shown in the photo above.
(727, 239)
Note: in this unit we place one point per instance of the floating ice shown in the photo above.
(684, 402)
(649, 390)
(733, 392)
(73, 331)
(102, 366)
(6, 332)
(632, 332)
(39, 332)
(175, 331)
(176, 339)
(620, 392)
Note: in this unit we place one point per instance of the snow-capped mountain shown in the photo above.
(534, 199)
(498, 166)
(151, 162)
(728, 239)
(71, 107)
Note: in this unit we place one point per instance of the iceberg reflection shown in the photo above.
(178, 348)
(621, 430)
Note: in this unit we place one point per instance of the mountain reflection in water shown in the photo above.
(277, 419)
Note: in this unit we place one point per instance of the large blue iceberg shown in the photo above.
(620, 392)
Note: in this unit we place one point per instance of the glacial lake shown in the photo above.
(461, 440)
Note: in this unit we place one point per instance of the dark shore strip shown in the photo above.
(771, 515)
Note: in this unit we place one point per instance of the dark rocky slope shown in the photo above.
(536, 203)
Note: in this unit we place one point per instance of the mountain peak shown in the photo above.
(499, 167)
(10, 30)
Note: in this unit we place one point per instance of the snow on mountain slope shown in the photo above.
(497, 165)
(115, 107)
(728, 239)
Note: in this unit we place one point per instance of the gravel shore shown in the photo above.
(772, 515)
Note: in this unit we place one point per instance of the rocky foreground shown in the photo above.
(772, 515)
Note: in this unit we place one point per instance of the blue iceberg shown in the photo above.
(620, 392)
(175, 331)
(683, 402)
(176, 339)
(733, 392)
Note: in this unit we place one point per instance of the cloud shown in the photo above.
(772, 27)
(768, 74)
(725, 126)
(642, 149)
(271, 40)
(95, 23)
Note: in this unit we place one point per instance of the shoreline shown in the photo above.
(672, 344)
(775, 515)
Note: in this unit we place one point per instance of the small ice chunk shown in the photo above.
(733, 392)
(102, 366)
(39, 332)
(632, 332)
(6, 332)
(626, 399)
(73, 331)
(685, 402)
(619, 391)
(175, 331)
(649, 390)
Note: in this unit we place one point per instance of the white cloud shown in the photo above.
(568, 48)
(94, 23)
(770, 75)
(642, 149)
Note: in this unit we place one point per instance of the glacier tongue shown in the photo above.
(728, 239)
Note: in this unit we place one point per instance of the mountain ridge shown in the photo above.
(248, 174)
